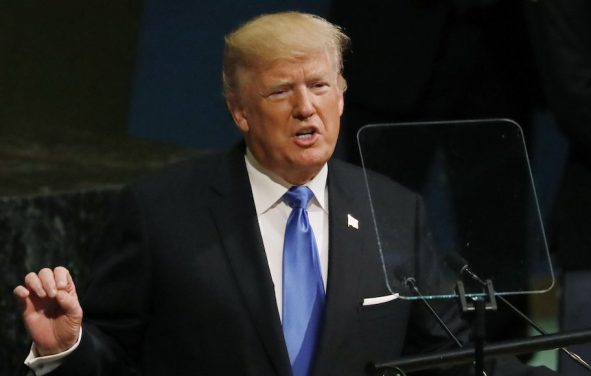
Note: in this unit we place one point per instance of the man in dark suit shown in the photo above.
(190, 278)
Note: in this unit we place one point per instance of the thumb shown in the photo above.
(23, 299)
(21, 294)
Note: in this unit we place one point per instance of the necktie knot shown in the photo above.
(298, 197)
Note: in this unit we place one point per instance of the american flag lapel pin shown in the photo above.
(352, 222)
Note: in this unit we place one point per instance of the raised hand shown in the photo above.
(51, 311)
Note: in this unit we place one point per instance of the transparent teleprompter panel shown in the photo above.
(475, 207)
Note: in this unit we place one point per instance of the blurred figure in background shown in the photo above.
(561, 36)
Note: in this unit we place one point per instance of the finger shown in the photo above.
(21, 292)
(71, 285)
(62, 277)
(48, 281)
(33, 283)
(70, 304)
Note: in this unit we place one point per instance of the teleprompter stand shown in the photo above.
(494, 350)
(479, 352)
(479, 305)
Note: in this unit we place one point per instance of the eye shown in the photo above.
(277, 93)
(320, 86)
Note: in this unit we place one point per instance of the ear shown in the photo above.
(342, 86)
(238, 113)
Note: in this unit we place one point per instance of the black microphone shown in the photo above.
(411, 283)
(458, 263)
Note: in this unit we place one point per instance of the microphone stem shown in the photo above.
(441, 323)
(571, 354)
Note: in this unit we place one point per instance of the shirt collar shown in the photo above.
(268, 188)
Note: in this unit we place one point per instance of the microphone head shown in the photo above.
(409, 282)
(456, 262)
(400, 274)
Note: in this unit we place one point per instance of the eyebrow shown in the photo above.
(284, 81)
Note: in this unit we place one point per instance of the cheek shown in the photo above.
(333, 116)
(276, 117)
(271, 132)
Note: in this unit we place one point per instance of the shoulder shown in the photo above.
(190, 178)
(356, 180)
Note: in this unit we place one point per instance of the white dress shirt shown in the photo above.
(272, 213)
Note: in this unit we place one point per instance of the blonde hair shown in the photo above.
(277, 36)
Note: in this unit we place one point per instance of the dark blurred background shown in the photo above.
(95, 94)
(66, 78)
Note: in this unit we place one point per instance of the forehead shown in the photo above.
(312, 65)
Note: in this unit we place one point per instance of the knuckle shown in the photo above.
(45, 271)
(60, 270)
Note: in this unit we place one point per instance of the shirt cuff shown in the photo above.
(42, 365)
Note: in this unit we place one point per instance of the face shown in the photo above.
(289, 113)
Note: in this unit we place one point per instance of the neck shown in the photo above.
(293, 178)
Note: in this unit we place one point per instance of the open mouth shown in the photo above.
(305, 134)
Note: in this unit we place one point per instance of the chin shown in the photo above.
(315, 159)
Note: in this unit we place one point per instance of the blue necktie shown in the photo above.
(303, 289)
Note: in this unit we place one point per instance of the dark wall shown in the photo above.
(66, 71)
(67, 65)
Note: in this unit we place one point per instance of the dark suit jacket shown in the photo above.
(182, 286)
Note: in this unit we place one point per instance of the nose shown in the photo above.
(303, 106)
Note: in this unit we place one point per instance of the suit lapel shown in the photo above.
(235, 216)
(345, 244)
